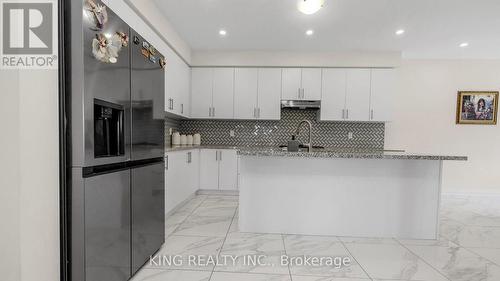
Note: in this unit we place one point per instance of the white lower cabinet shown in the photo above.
(228, 169)
(209, 169)
(218, 169)
(181, 177)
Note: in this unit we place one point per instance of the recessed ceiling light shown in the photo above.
(309, 32)
(464, 44)
(310, 7)
(222, 32)
(400, 32)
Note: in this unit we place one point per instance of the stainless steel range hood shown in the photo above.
(301, 104)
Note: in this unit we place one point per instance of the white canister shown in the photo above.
(189, 140)
(197, 139)
(183, 140)
(176, 138)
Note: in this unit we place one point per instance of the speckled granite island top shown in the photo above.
(346, 153)
(325, 153)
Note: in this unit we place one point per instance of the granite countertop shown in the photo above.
(329, 152)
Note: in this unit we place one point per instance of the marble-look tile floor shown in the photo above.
(468, 249)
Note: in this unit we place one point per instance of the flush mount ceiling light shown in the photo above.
(309, 32)
(464, 44)
(310, 7)
(222, 32)
(400, 32)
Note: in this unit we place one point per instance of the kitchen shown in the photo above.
(249, 140)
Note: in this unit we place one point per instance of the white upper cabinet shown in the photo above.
(269, 92)
(333, 94)
(223, 93)
(357, 94)
(201, 92)
(257, 93)
(177, 85)
(301, 84)
(291, 84)
(382, 94)
(246, 81)
(311, 84)
(212, 93)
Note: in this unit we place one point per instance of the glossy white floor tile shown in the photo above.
(316, 278)
(321, 246)
(474, 236)
(491, 254)
(204, 226)
(468, 248)
(245, 245)
(392, 261)
(458, 264)
(171, 275)
(368, 240)
(212, 210)
(227, 276)
(186, 247)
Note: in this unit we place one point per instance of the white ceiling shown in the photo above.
(434, 28)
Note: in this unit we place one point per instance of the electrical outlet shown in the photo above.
(350, 136)
(231, 133)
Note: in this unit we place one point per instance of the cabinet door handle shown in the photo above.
(182, 108)
(220, 155)
(166, 162)
(209, 112)
(216, 155)
(347, 113)
(371, 115)
(343, 113)
(213, 111)
(254, 112)
(258, 112)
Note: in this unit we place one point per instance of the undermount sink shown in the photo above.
(303, 148)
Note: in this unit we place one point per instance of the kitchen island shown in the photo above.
(357, 193)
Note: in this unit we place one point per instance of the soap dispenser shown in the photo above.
(293, 145)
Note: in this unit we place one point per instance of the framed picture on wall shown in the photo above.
(477, 108)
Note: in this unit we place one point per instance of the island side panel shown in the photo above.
(342, 197)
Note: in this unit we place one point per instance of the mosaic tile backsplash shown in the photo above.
(273, 133)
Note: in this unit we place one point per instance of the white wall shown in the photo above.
(29, 190)
(9, 176)
(150, 13)
(424, 120)
(288, 59)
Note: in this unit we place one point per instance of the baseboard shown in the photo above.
(470, 194)
(180, 205)
(217, 192)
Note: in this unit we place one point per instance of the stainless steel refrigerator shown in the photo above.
(117, 146)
